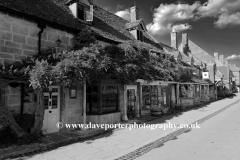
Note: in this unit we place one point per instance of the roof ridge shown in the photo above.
(112, 13)
(201, 48)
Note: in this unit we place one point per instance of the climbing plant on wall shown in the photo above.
(125, 62)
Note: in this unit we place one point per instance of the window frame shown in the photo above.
(99, 100)
(140, 35)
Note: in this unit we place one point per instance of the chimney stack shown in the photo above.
(134, 11)
(216, 55)
(174, 39)
(185, 39)
(221, 58)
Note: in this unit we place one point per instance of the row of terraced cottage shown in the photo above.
(26, 29)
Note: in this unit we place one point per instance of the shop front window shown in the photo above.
(109, 98)
(154, 97)
(183, 90)
(102, 99)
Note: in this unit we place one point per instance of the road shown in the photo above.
(217, 139)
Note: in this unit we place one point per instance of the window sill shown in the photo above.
(95, 114)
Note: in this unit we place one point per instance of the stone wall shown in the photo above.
(72, 111)
(19, 37)
(12, 98)
(237, 77)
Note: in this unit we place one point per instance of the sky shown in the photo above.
(214, 25)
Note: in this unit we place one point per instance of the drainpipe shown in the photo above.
(22, 98)
(42, 27)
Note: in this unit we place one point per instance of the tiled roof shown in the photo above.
(133, 24)
(105, 24)
(44, 10)
(224, 71)
(111, 26)
(218, 62)
(200, 54)
(170, 50)
(218, 75)
(234, 68)
(197, 61)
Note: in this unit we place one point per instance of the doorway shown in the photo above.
(131, 101)
(52, 109)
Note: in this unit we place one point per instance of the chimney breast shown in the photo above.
(221, 58)
(174, 40)
(185, 39)
(134, 11)
(216, 55)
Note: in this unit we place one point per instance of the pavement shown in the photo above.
(124, 143)
(218, 139)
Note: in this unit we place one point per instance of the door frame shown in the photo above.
(50, 107)
(135, 87)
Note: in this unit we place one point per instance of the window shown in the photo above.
(154, 97)
(92, 99)
(1, 98)
(183, 90)
(80, 12)
(102, 99)
(139, 35)
(109, 98)
(197, 91)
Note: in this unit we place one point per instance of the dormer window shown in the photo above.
(139, 35)
(80, 12)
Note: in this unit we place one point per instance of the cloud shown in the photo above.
(226, 13)
(214, 8)
(225, 20)
(168, 15)
(181, 27)
(124, 14)
(234, 56)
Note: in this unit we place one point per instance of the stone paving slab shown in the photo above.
(120, 143)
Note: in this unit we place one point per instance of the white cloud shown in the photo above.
(214, 8)
(181, 27)
(233, 57)
(226, 13)
(124, 14)
(225, 20)
(169, 15)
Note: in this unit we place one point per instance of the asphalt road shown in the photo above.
(217, 139)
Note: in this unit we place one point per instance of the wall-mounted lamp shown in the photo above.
(72, 93)
(58, 41)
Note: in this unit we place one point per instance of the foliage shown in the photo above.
(84, 39)
(186, 74)
(132, 60)
(71, 69)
